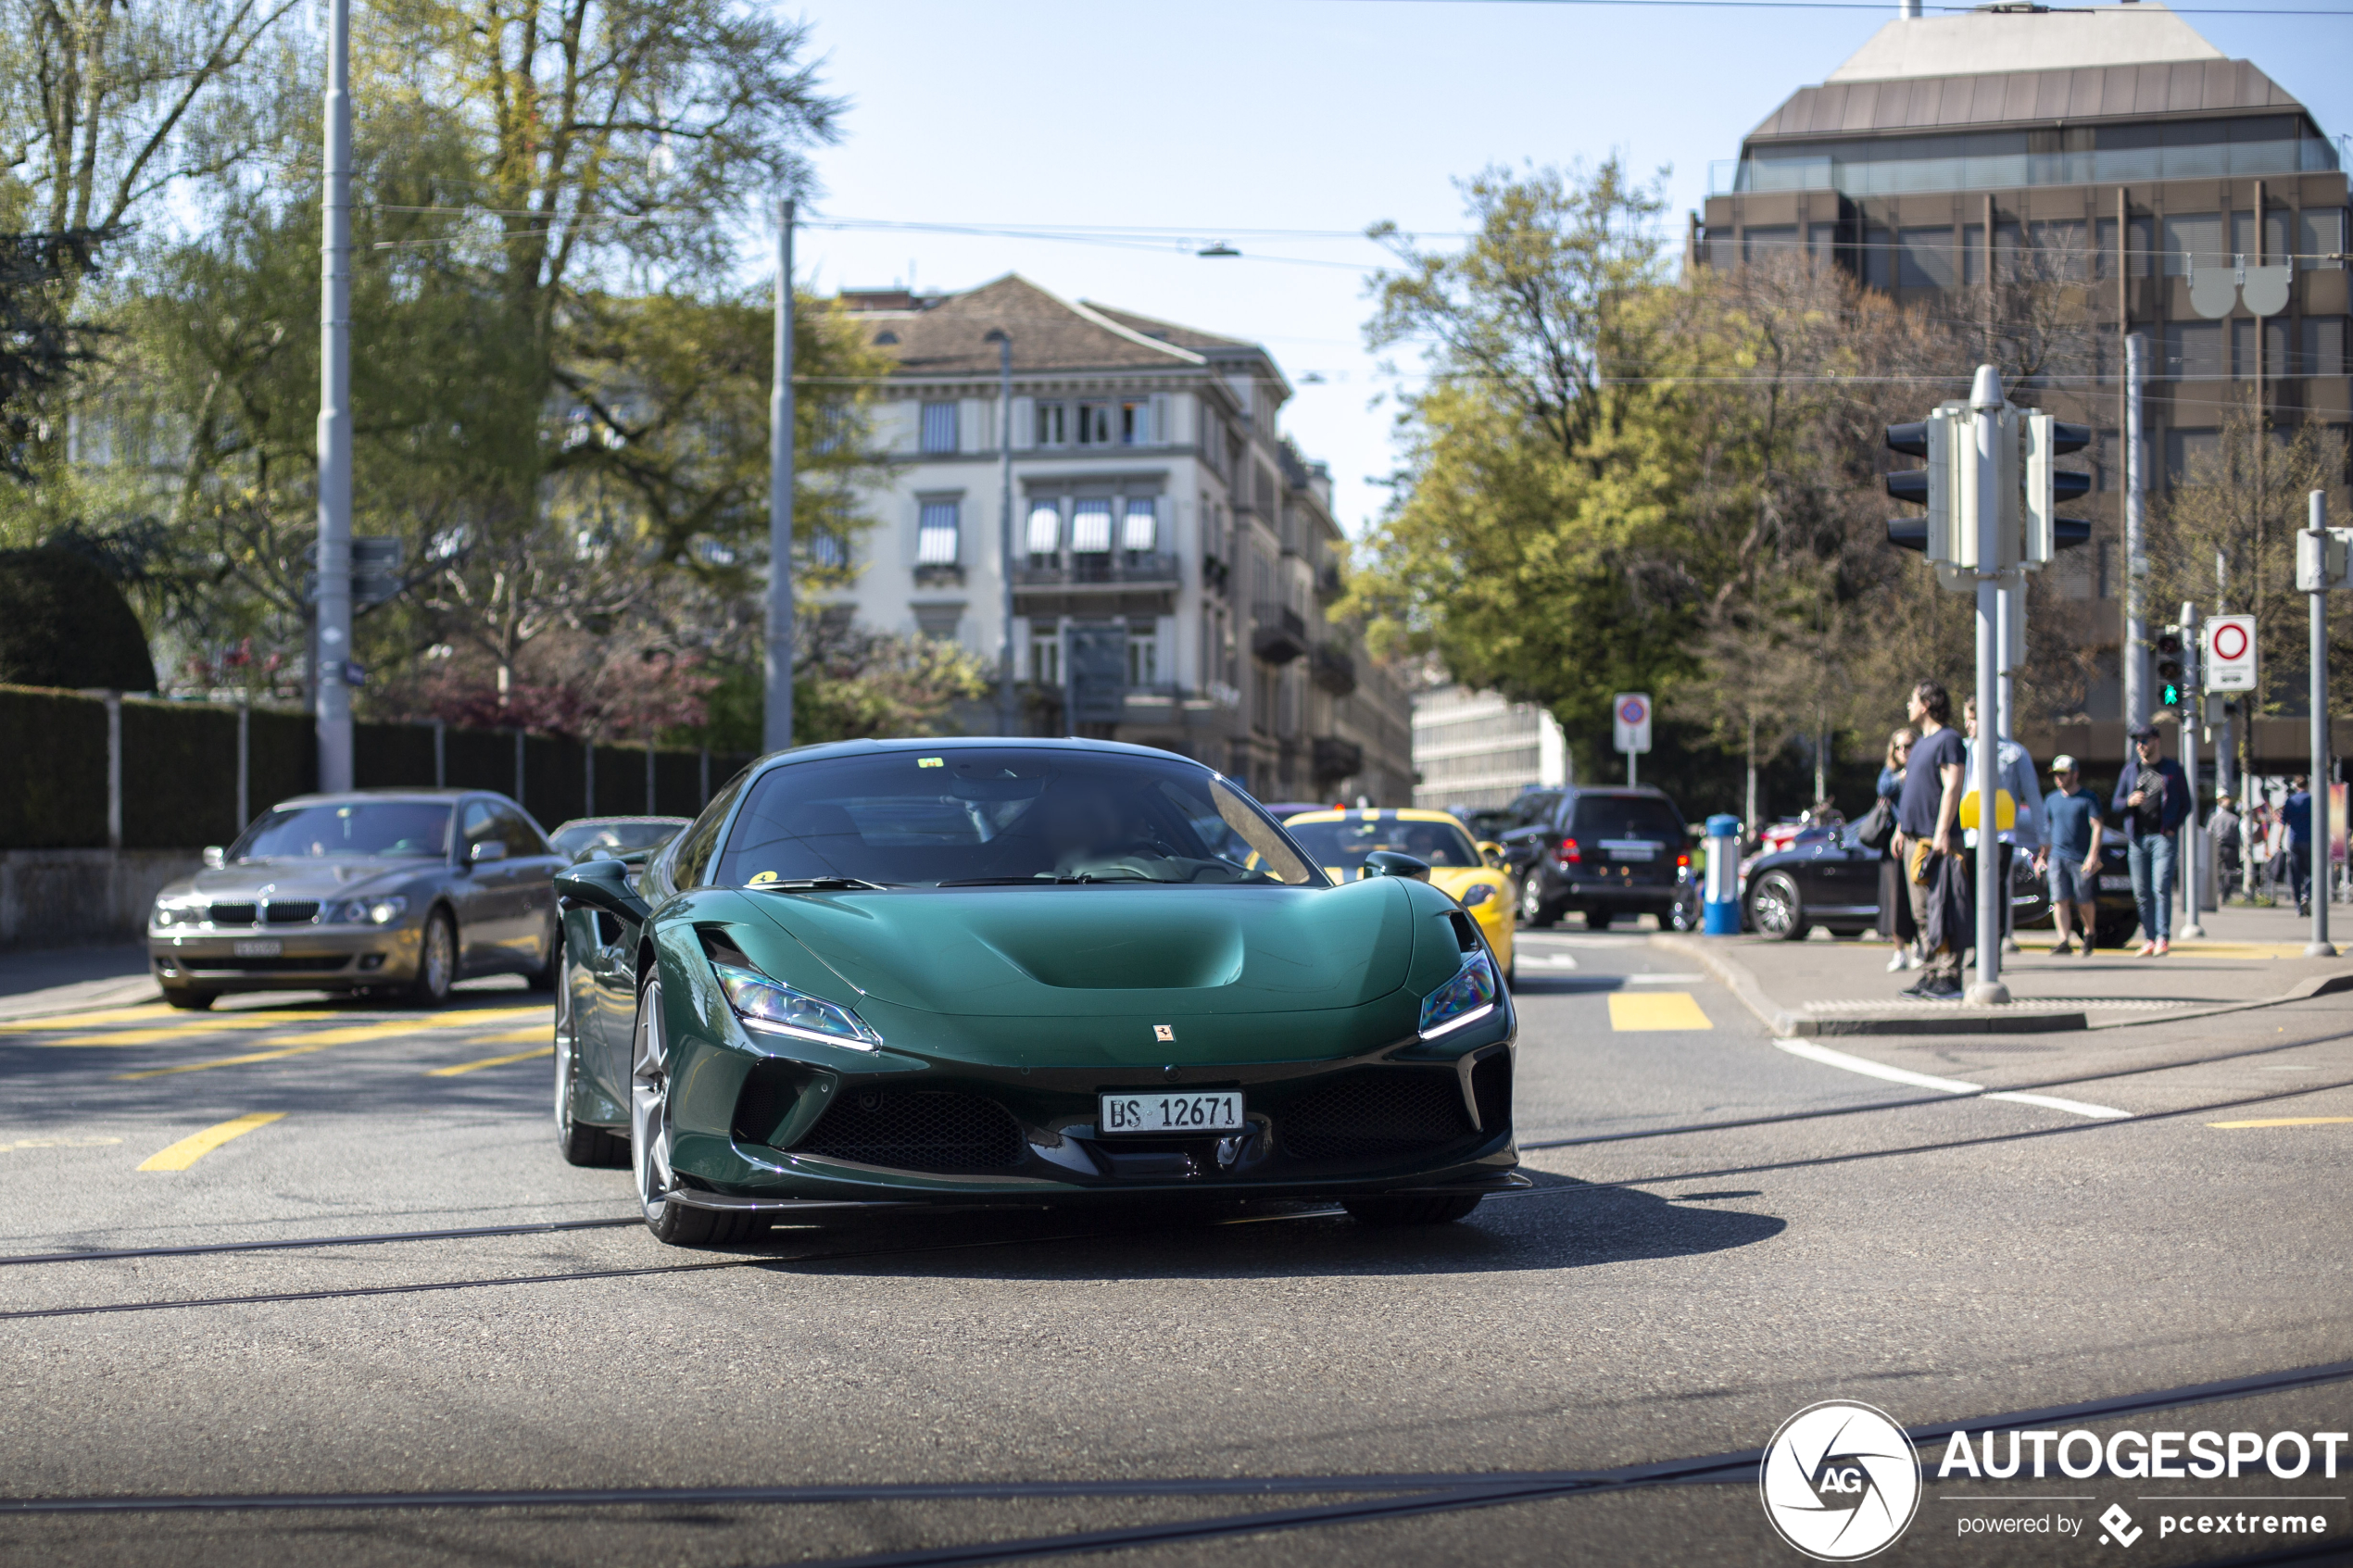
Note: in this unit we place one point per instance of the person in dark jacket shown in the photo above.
(2296, 816)
(1894, 903)
(2151, 801)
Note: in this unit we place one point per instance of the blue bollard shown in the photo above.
(1721, 895)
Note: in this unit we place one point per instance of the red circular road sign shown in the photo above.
(2229, 640)
(1633, 711)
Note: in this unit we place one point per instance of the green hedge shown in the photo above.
(392, 756)
(178, 775)
(53, 769)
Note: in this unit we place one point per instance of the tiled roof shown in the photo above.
(1169, 331)
(1048, 333)
(2025, 97)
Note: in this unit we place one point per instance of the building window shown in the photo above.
(2319, 237)
(1136, 423)
(935, 536)
(1821, 245)
(2325, 346)
(2193, 350)
(828, 550)
(1879, 257)
(1972, 254)
(938, 622)
(1924, 259)
(1091, 528)
(1094, 424)
(1143, 657)
(2194, 239)
(939, 427)
(1045, 530)
(1139, 530)
(1050, 425)
(2191, 450)
(1778, 240)
(1046, 657)
(2275, 349)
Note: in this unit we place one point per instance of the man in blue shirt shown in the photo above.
(2297, 815)
(2073, 827)
(2152, 800)
(1924, 832)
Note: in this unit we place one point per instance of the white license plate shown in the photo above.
(1218, 1112)
(2116, 884)
(1630, 848)
(261, 948)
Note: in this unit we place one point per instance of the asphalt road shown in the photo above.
(1722, 1232)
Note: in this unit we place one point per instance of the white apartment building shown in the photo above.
(1172, 553)
(1474, 750)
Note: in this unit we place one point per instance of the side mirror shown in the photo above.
(603, 885)
(487, 850)
(1493, 854)
(1389, 863)
(215, 857)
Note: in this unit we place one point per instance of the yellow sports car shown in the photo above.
(1465, 871)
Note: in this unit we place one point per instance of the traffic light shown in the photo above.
(2047, 531)
(1942, 438)
(2170, 690)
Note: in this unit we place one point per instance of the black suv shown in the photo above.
(1603, 852)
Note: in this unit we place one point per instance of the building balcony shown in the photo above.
(1327, 582)
(1336, 758)
(1333, 670)
(1281, 634)
(1105, 568)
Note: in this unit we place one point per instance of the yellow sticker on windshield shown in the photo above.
(760, 877)
(930, 762)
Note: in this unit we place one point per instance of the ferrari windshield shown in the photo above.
(1343, 842)
(359, 828)
(1008, 815)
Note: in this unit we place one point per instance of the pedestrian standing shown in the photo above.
(2072, 829)
(1894, 903)
(1925, 814)
(2153, 800)
(2297, 816)
(2224, 829)
(2013, 771)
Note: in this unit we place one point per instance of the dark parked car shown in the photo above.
(1604, 852)
(582, 837)
(1826, 878)
(409, 890)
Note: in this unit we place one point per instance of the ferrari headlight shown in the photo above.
(1467, 999)
(775, 1008)
(370, 911)
(1478, 895)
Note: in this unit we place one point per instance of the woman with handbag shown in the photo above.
(1894, 903)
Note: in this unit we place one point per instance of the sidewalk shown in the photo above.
(1829, 988)
(52, 980)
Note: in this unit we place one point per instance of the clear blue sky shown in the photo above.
(1221, 117)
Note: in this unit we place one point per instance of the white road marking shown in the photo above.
(1869, 1069)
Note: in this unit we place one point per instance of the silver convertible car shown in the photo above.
(393, 890)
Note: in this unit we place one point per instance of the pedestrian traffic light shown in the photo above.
(2047, 533)
(2170, 690)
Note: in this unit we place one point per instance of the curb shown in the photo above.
(1786, 1024)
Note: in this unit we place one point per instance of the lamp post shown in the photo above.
(775, 730)
(1006, 712)
(332, 651)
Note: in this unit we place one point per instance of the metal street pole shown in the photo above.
(2192, 841)
(2136, 635)
(1007, 713)
(1985, 407)
(2010, 616)
(2317, 781)
(334, 711)
(775, 730)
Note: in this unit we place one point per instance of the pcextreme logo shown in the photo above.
(1840, 1481)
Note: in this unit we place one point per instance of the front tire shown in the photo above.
(437, 961)
(1776, 908)
(1409, 1211)
(549, 975)
(580, 1143)
(189, 1000)
(672, 1221)
(1533, 910)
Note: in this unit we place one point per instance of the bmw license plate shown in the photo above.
(261, 948)
(2116, 884)
(1156, 1112)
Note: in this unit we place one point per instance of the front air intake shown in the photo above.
(938, 1131)
(1376, 1114)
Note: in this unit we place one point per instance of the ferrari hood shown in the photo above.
(1091, 950)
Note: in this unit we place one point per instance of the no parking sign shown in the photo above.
(1630, 718)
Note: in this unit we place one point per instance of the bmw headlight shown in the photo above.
(370, 911)
(176, 911)
(1478, 895)
(1467, 999)
(773, 1008)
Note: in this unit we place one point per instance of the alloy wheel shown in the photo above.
(1774, 906)
(649, 1107)
(1531, 901)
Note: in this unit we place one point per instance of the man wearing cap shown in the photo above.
(2153, 800)
(2072, 828)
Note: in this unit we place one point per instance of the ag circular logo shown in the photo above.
(1840, 1481)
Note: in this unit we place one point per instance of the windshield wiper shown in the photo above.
(820, 885)
(1070, 880)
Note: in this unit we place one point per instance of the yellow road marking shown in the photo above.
(489, 1061)
(2287, 1121)
(1656, 1010)
(190, 1149)
(189, 1031)
(512, 1037)
(2236, 951)
(85, 1020)
(57, 1143)
(320, 1040)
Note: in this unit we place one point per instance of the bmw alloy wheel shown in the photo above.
(436, 959)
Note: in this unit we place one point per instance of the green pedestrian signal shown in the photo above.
(2169, 668)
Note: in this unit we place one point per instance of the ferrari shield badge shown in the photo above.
(1163, 1032)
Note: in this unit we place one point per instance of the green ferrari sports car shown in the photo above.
(992, 973)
